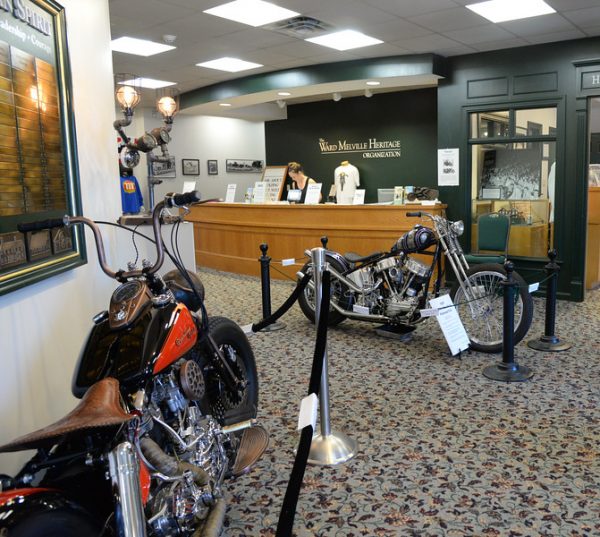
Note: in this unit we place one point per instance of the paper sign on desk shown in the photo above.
(359, 197)
(450, 323)
(260, 191)
(313, 193)
(188, 186)
(230, 195)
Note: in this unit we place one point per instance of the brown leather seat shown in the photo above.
(100, 407)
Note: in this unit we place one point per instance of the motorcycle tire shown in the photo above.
(306, 300)
(59, 523)
(232, 341)
(483, 319)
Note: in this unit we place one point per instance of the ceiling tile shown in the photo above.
(556, 36)
(592, 31)
(394, 29)
(411, 9)
(385, 49)
(584, 18)
(500, 44)
(449, 19)
(567, 5)
(543, 24)
(428, 43)
(479, 34)
(348, 14)
(129, 18)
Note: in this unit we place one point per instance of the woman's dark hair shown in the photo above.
(295, 167)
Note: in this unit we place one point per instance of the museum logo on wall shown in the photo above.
(369, 149)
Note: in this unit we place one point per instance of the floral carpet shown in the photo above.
(442, 450)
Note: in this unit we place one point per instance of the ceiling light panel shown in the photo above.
(252, 12)
(150, 83)
(345, 40)
(139, 47)
(510, 10)
(232, 65)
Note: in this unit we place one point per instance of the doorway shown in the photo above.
(592, 256)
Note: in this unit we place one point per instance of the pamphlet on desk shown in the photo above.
(230, 194)
(313, 193)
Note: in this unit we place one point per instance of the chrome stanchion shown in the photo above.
(328, 448)
(549, 342)
(265, 283)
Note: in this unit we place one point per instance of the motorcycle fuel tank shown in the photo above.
(417, 239)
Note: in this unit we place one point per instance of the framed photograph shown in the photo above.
(213, 167)
(39, 174)
(190, 166)
(165, 169)
(244, 165)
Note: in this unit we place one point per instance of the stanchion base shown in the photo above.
(335, 448)
(548, 344)
(272, 327)
(508, 372)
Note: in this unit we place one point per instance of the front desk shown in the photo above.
(227, 236)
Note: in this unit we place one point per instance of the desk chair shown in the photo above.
(493, 230)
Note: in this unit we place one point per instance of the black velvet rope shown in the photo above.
(257, 327)
(290, 501)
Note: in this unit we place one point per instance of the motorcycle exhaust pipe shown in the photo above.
(125, 476)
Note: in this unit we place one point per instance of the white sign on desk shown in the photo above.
(313, 193)
(230, 195)
(359, 197)
(450, 323)
(260, 191)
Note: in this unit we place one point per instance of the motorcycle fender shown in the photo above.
(19, 505)
(330, 254)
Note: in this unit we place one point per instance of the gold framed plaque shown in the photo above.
(38, 163)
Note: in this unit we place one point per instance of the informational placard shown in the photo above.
(188, 186)
(313, 193)
(450, 323)
(359, 197)
(230, 194)
(274, 178)
(448, 167)
(260, 190)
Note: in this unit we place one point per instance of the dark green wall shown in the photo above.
(529, 76)
(408, 116)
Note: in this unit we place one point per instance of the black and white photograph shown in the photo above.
(517, 172)
(213, 167)
(190, 166)
(163, 168)
(244, 165)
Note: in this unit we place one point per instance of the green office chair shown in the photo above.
(493, 230)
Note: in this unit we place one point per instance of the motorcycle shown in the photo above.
(393, 287)
(168, 405)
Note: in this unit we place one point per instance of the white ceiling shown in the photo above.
(443, 27)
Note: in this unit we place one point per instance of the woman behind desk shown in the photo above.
(299, 180)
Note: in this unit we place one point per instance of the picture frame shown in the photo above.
(213, 167)
(190, 166)
(36, 56)
(244, 165)
(162, 169)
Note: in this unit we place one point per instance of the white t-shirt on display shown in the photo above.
(347, 179)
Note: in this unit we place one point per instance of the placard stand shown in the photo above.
(328, 448)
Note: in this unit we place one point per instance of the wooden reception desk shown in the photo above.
(227, 236)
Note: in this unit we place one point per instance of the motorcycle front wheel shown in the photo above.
(233, 343)
(306, 300)
(482, 314)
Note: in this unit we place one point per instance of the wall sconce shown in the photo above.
(337, 96)
(127, 93)
(167, 103)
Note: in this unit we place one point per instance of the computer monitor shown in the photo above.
(294, 195)
(385, 195)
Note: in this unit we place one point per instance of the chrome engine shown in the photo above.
(191, 463)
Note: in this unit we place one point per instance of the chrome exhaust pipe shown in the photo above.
(125, 477)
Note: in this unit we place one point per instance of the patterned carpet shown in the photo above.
(443, 451)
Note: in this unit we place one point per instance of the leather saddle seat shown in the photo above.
(352, 257)
(100, 407)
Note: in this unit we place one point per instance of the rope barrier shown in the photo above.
(290, 500)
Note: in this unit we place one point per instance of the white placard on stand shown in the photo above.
(230, 194)
(313, 192)
(359, 197)
(188, 186)
(448, 167)
(450, 323)
(260, 191)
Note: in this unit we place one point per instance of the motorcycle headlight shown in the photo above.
(458, 227)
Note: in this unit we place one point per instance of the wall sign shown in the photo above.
(370, 148)
(38, 164)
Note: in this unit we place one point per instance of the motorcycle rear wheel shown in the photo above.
(483, 318)
(306, 300)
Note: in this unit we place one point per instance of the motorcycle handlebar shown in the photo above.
(180, 200)
(41, 224)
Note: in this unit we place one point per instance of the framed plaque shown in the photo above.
(38, 171)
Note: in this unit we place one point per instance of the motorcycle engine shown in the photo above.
(180, 502)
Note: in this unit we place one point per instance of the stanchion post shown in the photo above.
(328, 448)
(265, 284)
(508, 370)
(549, 342)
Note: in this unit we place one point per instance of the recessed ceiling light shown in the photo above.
(252, 12)
(233, 65)
(283, 93)
(150, 83)
(224, 104)
(373, 83)
(345, 40)
(510, 10)
(139, 47)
